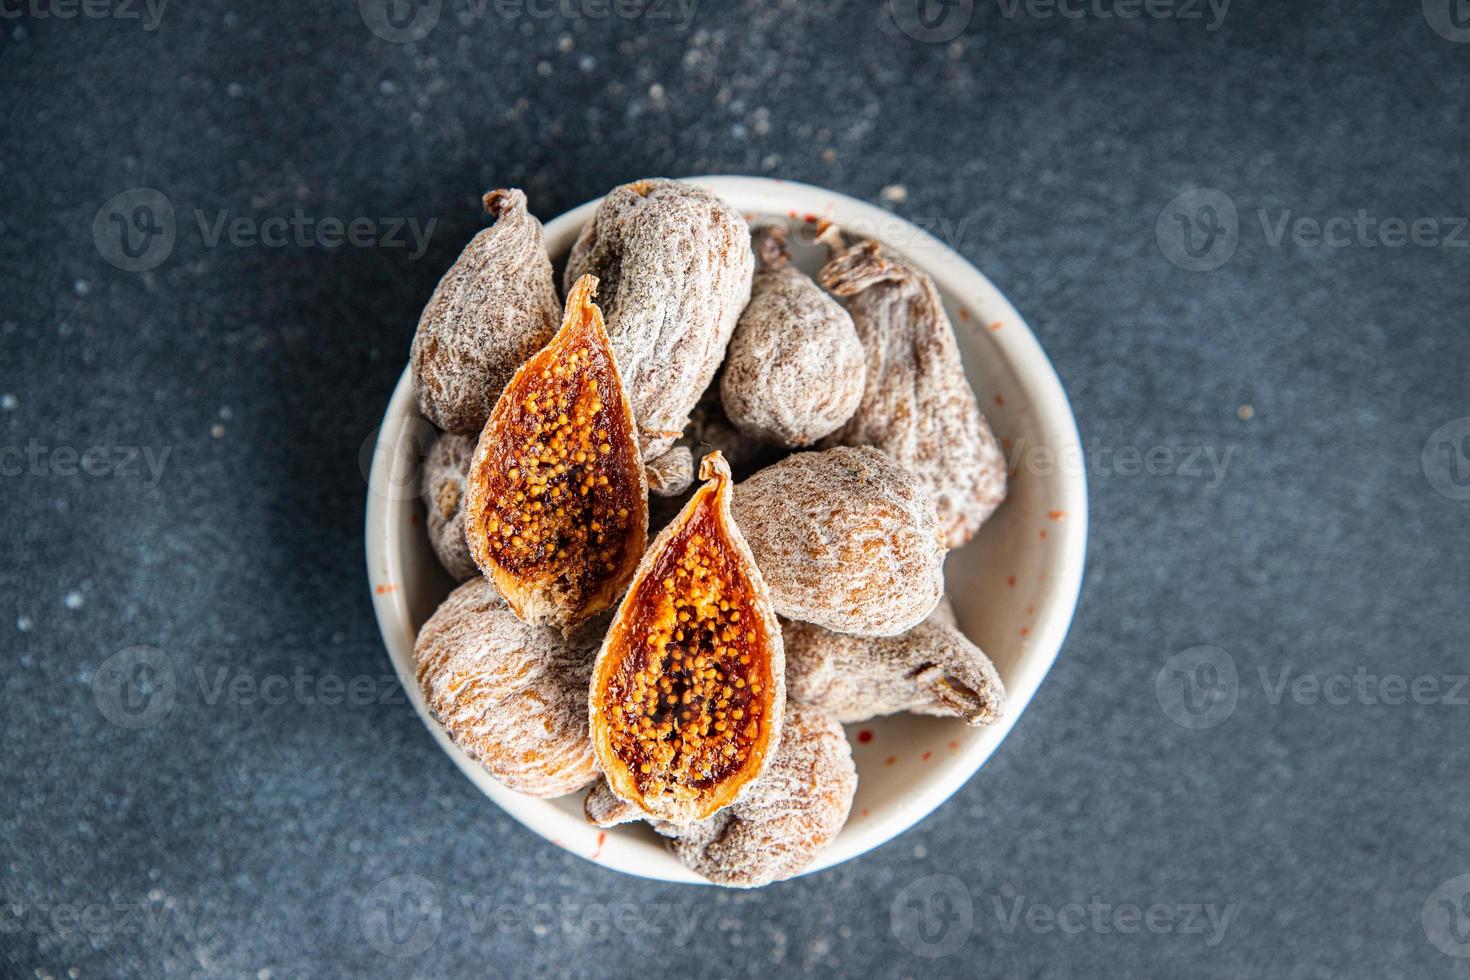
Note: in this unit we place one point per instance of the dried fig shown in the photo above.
(916, 404)
(711, 430)
(794, 370)
(442, 491)
(792, 813)
(789, 817)
(846, 539)
(672, 473)
(512, 695)
(557, 510)
(676, 265)
(689, 686)
(495, 307)
(933, 669)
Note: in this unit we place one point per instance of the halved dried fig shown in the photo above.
(494, 308)
(846, 539)
(916, 405)
(557, 510)
(933, 669)
(689, 686)
(788, 818)
(512, 695)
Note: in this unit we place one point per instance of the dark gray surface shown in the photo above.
(237, 838)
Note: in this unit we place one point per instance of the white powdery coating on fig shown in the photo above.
(710, 430)
(513, 696)
(672, 473)
(846, 539)
(789, 817)
(794, 370)
(442, 491)
(933, 669)
(675, 265)
(917, 405)
(494, 308)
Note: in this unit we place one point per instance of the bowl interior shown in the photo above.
(1014, 587)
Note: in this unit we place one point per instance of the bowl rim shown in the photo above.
(956, 277)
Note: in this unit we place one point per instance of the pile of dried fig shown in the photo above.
(699, 681)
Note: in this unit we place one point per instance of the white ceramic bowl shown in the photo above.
(1014, 587)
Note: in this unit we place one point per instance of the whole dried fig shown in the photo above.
(676, 265)
(916, 404)
(672, 473)
(495, 307)
(846, 539)
(557, 510)
(442, 491)
(933, 669)
(689, 686)
(512, 695)
(794, 369)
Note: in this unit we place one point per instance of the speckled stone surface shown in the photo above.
(155, 821)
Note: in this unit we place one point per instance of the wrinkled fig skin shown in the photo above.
(512, 695)
(442, 491)
(846, 539)
(675, 264)
(672, 473)
(917, 405)
(494, 308)
(794, 370)
(933, 669)
(711, 430)
(789, 817)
